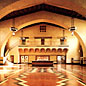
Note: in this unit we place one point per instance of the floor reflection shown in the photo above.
(59, 75)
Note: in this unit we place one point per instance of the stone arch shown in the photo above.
(37, 50)
(65, 50)
(48, 50)
(54, 50)
(82, 43)
(59, 50)
(26, 50)
(42, 50)
(26, 24)
(31, 50)
(49, 21)
(21, 50)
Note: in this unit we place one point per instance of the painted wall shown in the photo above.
(73, 42)
(31, 58)
(14, 52)
(28, 19)
(51, 31)
(53, 58)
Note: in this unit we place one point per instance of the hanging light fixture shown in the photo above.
(72, 28)
(22, 38)
(62, 39)
(13, 29)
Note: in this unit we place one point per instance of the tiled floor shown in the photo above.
(59, 75)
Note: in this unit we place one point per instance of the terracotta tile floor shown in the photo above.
(59, 75)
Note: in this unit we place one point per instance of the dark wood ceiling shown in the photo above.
(43, 7)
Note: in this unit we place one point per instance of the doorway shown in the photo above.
(61, 59)
(24, 59)
(12, 58)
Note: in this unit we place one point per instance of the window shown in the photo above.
(42, 41)
(42, 28)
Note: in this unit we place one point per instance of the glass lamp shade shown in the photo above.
(72, 33)
(72, 28)
(22, 38)
(13, 29)
(13, 33)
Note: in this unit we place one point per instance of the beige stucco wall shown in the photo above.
(51, 31)
(53, 58)
(31, 58)
(46, 17)
(14, 52)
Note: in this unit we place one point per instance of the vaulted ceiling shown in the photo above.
(44, 7)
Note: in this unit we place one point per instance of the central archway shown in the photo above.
(49, 21)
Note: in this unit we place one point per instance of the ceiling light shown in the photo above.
(72, 28)
(13, 29)
(13, 33)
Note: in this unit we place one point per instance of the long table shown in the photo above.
(42, 63)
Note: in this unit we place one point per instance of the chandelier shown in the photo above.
(13, 28)
(72, 28)
(62, 39)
